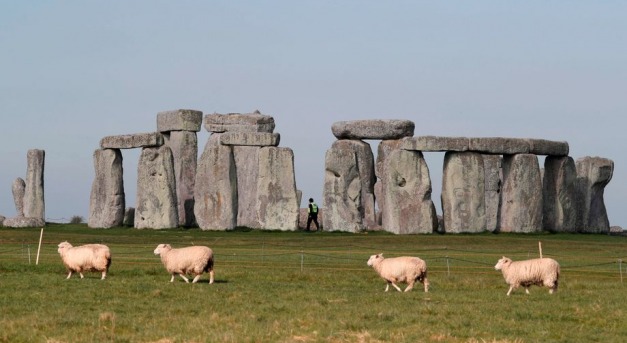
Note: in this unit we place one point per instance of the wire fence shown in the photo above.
(296, 257)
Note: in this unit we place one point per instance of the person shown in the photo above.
(312, 214)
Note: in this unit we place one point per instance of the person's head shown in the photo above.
(310, 199)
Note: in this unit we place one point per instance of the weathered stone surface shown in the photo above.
(407, 191)
(546, 147)
(559, 191)
(373, 129)
(129, 217)
(463, 193)
(34, 204)
(521, 205)
(18, 189)
(184, 146)
(435, 143)
(179, 120)
(277, 204)
(17, 222)
(593, 174)
(107, 201)
(250, 138)
(383, 152)
(342, 191)
(138, 140)
(493, 176)
(499, 145)
(237, 122)
(2, 218)
(365, 169)
(215, 189)
(156, 190)
(247, 168)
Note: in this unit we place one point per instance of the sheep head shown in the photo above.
(161, 248)
(374, 258)
(63, 246)
(504, 261)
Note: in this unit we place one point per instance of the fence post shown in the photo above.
(41, 235)
(28, 249)
(448, 269)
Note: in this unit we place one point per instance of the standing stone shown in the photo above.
(215, 189)
(277, 204)
(383, 152)
(365, 168)
(559, 192)
(184, 146)
(521, 206)
(342, 191)
(463, 193)
(129, 217)
(156, 190)
(19, 188)
(407, 191)
(493, 175)
(34, 206)
(247, 168)
(593, 174)
(107, 203)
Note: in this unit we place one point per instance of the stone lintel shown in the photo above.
(435, 143)
(499, 145)
(137, 140)
(373, 129)
(547, 147)
(486, 145)
(250, 138)
(237, 122)
(179, 120)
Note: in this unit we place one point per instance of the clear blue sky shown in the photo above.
(72, 72)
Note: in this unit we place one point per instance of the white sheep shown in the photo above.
(400, 269)
(194, 260)
(88, 257)
(538, 271)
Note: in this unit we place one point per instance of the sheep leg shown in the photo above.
(409, 287)
(426, 283)
(395, 286)
(82, 276)
(173, 275)
(211, 277)
(527, 290)
(196, 278)
(387, 286)
(184, 278)
(104, 275)
(68, 275)
(510, 290)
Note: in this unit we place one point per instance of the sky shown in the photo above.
(72, 72)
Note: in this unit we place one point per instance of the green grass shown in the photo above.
(308, 287)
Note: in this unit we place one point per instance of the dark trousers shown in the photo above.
(313, 217)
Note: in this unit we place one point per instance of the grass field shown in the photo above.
(308, 287)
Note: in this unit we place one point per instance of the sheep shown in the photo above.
(400, 269)
(539, 271)
(194, 260)
(89, 257)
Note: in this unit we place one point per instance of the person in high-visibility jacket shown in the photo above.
(312, 212)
